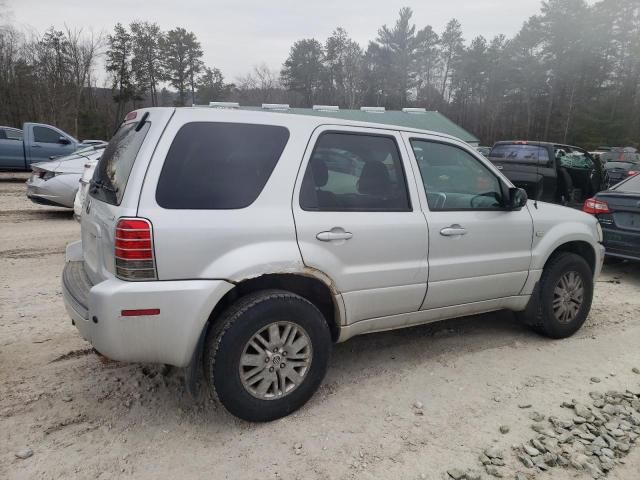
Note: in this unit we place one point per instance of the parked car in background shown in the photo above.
(56, 182)
(619, 153)
(83, 188)
(36, 142)
(550, 172)
(484, 150)
(628, 165)
(242, 244)
(618, 211)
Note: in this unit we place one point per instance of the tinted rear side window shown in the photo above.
(114, 167)
(219, 165)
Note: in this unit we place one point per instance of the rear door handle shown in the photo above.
(333, 235)
(453, 231)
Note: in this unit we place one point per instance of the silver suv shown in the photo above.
(243, 244)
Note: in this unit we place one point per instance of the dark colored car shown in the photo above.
(618, 211)
(620, 165)
(550, 172)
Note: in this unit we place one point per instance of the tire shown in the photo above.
(299, 322)
(540, 314)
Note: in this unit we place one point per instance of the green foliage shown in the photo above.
(181, 59)
(304, 69)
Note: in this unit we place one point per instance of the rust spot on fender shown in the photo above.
(320, 275)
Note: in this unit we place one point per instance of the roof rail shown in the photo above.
(372, 109)
(326, 108)
(275, 106)
(414, 110)
(224, 104)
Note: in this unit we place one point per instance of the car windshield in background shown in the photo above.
(114, 167)
(520, 152)
(575, 160)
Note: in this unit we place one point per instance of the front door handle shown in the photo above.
(453, 231)
(334, 235)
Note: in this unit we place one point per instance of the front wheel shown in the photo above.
(267, 355)
(563, 298)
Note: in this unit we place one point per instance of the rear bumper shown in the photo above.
(169, 337)
(54, 192)
(622, 243)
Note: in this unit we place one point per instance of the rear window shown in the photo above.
(620, 157)
(623, 165)
(520, 152)
(219, 165)
(114, 167)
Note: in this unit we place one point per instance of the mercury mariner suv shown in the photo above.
(243, 244)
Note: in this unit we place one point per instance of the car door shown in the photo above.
(478, 250)
(11, 149)
(46, 143)
(358, 220)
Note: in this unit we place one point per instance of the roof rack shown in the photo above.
(275, 106)
(224, 104)
(326, 108)
(414, 110)
(372, 109)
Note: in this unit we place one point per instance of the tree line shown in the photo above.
(571, 74)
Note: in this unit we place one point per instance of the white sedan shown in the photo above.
(56, 182)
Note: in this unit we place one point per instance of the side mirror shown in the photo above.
(517, 198)
(64, 140)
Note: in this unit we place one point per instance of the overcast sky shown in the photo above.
(236, 35)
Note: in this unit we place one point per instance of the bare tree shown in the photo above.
(83, 51)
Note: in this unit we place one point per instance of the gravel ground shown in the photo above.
(411, 404)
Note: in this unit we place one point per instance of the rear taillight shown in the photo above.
(633, 173)
(595, 206)
(134, 250)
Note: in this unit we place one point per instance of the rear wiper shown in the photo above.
(100, 184)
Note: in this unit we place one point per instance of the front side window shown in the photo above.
(455, 180)
(45, 135)
(354, 172)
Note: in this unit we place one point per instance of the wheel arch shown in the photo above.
(579, 247)
(311, 285)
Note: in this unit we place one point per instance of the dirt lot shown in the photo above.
(86, 417)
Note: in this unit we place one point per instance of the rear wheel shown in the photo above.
(267, 355)
(563, 298)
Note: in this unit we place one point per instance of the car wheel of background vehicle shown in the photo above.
(563, 298)
(267, 355)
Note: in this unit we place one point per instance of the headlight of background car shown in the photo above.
(600, 234)
(47, 175)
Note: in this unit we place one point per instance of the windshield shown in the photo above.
(520, 152)
(114, 167)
